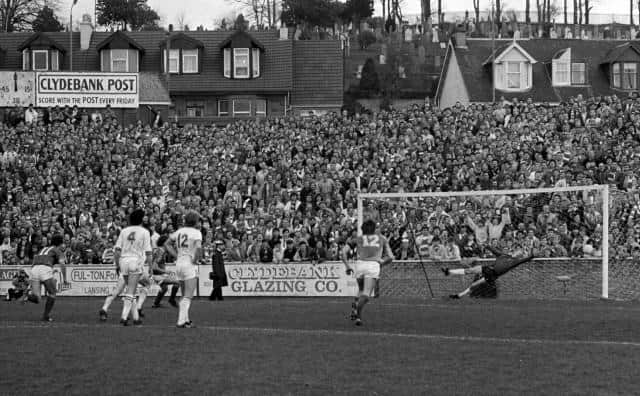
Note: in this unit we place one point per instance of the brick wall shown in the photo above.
(535, 280)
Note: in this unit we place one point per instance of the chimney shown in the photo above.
(284, 32)
(86, 29)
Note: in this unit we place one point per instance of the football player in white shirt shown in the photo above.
(132, 251)
(186, 245)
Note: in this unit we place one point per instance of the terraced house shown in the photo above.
(545, 70)
(213, 76)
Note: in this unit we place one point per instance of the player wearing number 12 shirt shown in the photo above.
(132, 252)
(371, 247)
(186, 245)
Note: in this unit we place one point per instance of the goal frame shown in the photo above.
(602, 188)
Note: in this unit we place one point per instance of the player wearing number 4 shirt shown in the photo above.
(186, 245)
(370, 248)
(133, 250)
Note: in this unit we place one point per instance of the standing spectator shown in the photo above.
(31, 115)
(266, 253)
(218, 274)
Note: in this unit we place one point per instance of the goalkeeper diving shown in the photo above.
(484, 284)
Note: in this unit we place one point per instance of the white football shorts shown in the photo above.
(186, 270)
(367, 269)
(41, 273)
(131, 266)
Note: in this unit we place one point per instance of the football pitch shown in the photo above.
(308, 346)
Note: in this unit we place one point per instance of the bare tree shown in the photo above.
(587, 10)
(565, 12)
(527, 11)
(539, 8)
(631, 12)
(575, 12)
(426, 13)
(257, 10)
(17, 15)
(579, 12)
(476, 9)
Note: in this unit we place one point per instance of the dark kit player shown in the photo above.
(370, 248)
(42, 272)
(484, 285)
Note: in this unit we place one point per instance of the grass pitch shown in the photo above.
(284, 346)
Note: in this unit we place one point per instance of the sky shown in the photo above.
(209, 12)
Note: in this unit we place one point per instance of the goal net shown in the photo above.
(566, 228)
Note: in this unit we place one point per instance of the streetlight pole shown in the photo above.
(493, 54)
(73, 3)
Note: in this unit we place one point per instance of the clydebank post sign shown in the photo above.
(120, 90)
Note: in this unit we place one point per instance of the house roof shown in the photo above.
(503, 50)
(594, 53)
(318, 73)
(277, 75)
(119, 40)
(241, 36)
(618, 51)
(40, 39)
(182, 40)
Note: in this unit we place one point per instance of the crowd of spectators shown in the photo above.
(284, 188)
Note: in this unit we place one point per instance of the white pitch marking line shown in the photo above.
(325, 332)
(453, 305)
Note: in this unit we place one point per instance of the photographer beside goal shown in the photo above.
(487, 274)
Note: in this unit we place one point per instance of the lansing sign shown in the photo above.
(120, 90)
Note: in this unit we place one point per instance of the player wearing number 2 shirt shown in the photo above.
(132, 251)
(370, 247)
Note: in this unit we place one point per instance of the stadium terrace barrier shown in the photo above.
(560, 278)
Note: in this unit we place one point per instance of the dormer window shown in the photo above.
(40, 59)
(625, 75)
(565, 71)
(189, 61)
(119, 54)
(119, 60)
(512, 68)
(241, 56)
(622, 62)
(184, 54)
(40, 53)
(174, 60)
(514, 75)
(241, 62)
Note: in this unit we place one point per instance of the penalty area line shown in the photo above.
(328, 332)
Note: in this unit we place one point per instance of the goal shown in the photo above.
(566, 228)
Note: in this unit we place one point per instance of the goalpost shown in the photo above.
(544, 219)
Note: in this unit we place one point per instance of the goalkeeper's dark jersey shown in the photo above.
(160, 261)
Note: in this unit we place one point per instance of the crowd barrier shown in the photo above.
(560, 278)
(245, 280)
